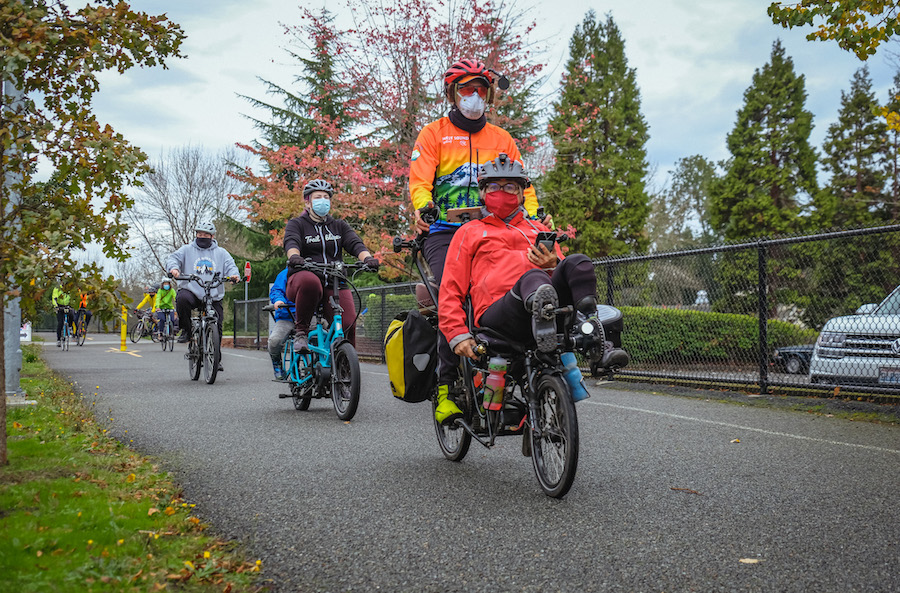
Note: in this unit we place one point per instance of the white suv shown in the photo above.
(860, 349)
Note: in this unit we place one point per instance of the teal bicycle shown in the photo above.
(331, 367)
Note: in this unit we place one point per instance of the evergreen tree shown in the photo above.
(317, 99)
(892, 157)
(597, 182)
(679, 219)
(854, 156)
(772, 164)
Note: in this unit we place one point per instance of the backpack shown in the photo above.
(410, 348)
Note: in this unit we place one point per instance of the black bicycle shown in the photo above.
(80, 326)
(204, 348)
(536, 401)
(67, 331)
(144, 327)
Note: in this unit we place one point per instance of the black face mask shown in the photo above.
(204, 242)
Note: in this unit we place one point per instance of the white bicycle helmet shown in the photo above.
(205, 226)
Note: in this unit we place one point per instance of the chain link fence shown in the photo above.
(750, 315)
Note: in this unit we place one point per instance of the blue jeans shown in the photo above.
(161, 315)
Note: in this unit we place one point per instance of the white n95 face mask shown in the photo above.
(472, 107)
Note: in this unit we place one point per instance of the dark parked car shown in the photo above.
(793, 359)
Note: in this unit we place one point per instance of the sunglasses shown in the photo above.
(468, 91)
(510, 188)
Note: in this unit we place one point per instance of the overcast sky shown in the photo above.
(694, 60)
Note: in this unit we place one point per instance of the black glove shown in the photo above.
(372, 263)
(296, 262)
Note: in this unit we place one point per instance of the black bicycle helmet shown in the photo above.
(317, 185)
(502, 167)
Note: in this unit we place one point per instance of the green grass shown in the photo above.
(81, 512)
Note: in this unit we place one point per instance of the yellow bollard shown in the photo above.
(124, 327)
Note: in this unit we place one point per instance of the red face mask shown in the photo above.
(501, 203)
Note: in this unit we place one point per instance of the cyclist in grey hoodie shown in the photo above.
(202, 257)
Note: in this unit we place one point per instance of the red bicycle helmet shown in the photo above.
(462, 69)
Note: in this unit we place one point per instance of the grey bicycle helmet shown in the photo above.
(502, 167)
(152, 289)
(205, 226)
(317, 185)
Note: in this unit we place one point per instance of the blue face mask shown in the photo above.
(166, 287)
(321, 206)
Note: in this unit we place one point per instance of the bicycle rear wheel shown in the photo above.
(164, 338)
(345, 380)
(170, 333)
(212, 353)
(554, 443)
(137, 330)
(193, 355)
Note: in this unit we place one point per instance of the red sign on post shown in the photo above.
(247, 271)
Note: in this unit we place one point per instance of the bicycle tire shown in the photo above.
(137, 331)
(453, 440)
(193, 355)
(164, 339)
(65, 340)
(300, 393)
(80, 329)
(554, 446)
(170, 332)
(345, 381)
(153, 331)
(212, 353)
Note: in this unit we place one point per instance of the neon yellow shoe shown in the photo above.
(446, 410)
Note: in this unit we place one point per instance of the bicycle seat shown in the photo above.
(498, 343)
(423, 297)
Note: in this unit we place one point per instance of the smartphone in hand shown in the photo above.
(545, 238)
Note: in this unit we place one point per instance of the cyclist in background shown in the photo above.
(284, 322)
(82, 308)
(443, 171)
(149, 299)
(164, 304)
(316, 235)
(201, 257)
(61, 300)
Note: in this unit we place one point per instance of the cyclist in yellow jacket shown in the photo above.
(61, 301)
(443, 172)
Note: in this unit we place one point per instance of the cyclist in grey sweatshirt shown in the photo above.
(202, 257)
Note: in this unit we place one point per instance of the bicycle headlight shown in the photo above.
(587, 328)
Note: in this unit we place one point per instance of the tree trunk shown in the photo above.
(3, 458)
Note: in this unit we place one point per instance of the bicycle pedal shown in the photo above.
(284, 395)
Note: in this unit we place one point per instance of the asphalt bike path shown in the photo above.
(671, 494)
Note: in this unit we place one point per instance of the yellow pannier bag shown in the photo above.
(410, 349)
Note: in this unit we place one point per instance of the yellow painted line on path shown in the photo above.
(131, 352)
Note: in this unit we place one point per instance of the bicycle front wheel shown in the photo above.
(212, 353)
(296, 367)
(170, 332)
(80, 329)
(137, 330)
(554, 436)
(345, 381)
(453, 439)
(193, 355)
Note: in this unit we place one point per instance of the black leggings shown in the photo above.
(573, 280)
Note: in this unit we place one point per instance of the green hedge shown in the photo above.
(677, 336)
